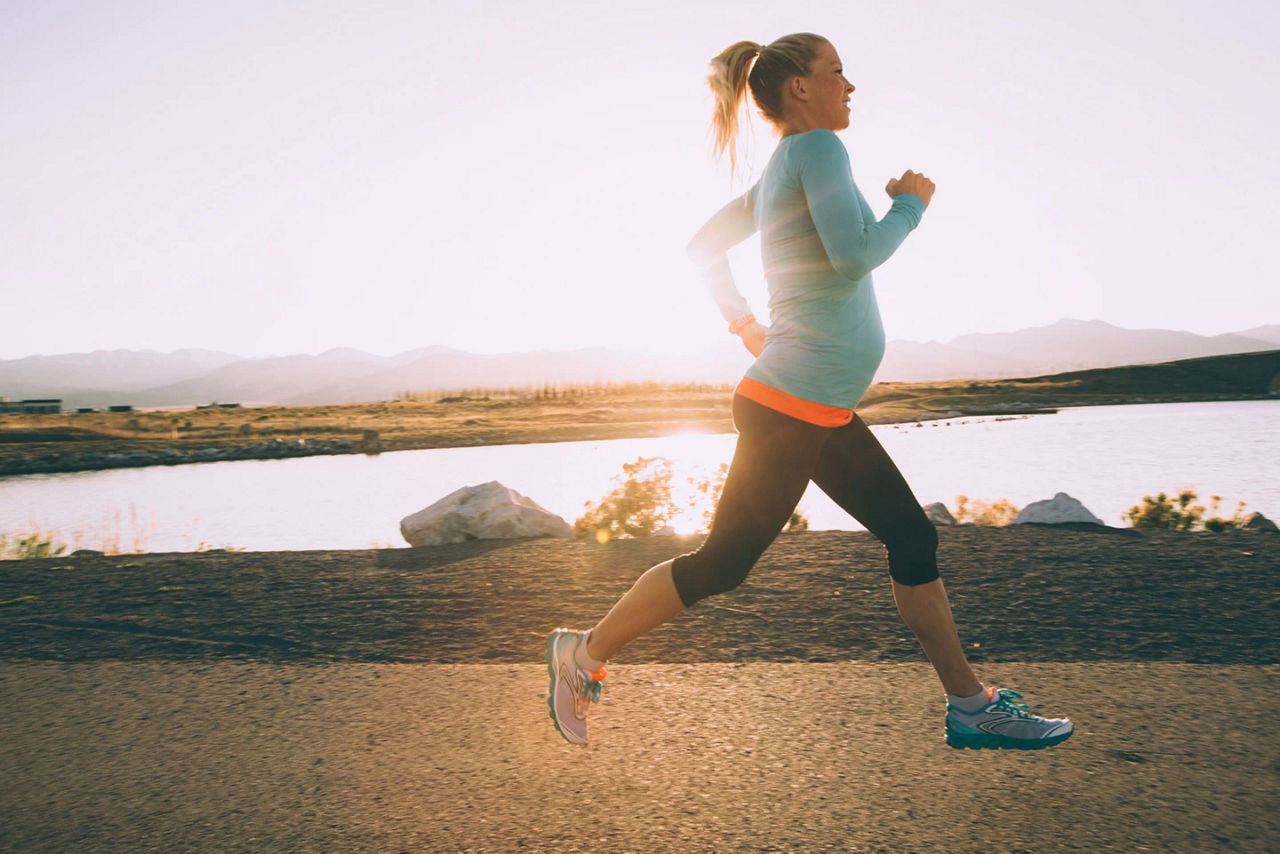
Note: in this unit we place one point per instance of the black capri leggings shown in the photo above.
(776, 457)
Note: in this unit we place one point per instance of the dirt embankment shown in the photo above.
(1020, 593)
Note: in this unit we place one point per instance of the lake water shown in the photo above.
(1107, 457)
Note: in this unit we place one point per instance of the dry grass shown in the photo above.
(478, 417)
(556, 414)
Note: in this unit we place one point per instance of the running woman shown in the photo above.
(794, 409)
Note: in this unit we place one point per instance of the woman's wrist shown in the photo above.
(737, 327)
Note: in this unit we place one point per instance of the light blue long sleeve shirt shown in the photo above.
(820, 241)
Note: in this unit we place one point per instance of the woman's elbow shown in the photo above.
(852, 268)
(700, 253)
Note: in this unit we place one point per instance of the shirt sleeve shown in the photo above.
(731, 225)
(854, 245)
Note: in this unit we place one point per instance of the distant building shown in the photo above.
(85, 409)
(123, 408)
(33, 406)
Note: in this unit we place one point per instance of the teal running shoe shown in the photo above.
(572, 689)
(1004, 724)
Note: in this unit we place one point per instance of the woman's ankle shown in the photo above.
(586, 657)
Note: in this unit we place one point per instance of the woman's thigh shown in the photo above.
(772, 464)
(857, 473)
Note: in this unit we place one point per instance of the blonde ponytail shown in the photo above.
(736, 68)
(728, 82)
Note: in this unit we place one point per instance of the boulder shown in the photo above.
(1258, 522)
(938, 514)
(489, 511)
(1062, 509)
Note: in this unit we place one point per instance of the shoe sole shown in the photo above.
(554, 677)
(984, 741)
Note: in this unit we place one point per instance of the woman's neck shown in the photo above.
(796, 125)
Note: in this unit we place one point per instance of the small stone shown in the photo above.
(1258, 522)
(938, 514)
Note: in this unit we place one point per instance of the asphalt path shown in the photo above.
(758, 756)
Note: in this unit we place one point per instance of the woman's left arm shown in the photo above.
(709, 248)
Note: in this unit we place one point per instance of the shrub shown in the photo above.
(709, 495)
(710, 491)
(643, 502)
(1181, 513)
(639, 506)
(1218, 524)
(1177, 513)
(27, 546)
(989, 514)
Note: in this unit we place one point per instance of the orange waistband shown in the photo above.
(821, 414)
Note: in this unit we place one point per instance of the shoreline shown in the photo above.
(278, 449)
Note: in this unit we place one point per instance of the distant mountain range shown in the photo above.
(145, 378)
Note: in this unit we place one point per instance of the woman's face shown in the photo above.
(828, 89)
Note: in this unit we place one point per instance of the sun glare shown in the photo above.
(699, 462)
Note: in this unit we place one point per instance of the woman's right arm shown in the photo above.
(709, 248)
(854, 245)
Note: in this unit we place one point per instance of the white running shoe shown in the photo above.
(572, 689)
(1004, 724)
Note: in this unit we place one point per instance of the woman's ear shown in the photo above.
(797, 89)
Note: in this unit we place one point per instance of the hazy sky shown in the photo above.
(277, 177)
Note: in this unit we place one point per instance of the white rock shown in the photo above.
(489, 511)
(939, 514)
(1062, 509)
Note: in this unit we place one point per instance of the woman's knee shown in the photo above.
(698, 575)
(913, 554)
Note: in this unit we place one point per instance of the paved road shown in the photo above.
(174, 756)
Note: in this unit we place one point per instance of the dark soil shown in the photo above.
(1023, 593)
